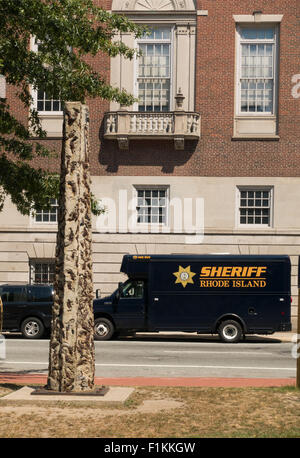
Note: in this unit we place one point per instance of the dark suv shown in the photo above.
(27, 308)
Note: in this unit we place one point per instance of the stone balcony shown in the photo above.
(176, 126)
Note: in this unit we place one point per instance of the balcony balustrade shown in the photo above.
(177, 126)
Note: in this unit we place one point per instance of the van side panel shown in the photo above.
(193, 295)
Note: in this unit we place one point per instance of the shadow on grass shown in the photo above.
(11, 386)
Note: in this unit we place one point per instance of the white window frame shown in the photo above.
(241, 41)
(34, 92)
(32, 265)
(162, 187)
(171, 41)
(254, 188)
(46, 222)
(2, 87)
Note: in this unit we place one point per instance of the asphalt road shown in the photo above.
(166, 356)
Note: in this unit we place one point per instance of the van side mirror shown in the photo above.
(98, 293)
(119, 290)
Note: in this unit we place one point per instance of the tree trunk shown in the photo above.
(71, 355)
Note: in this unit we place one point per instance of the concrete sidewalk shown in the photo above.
(283, 336)
(27, 393)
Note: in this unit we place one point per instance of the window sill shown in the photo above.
(52, 123)
(152, 226)
(45, 223)
(254, 227)
(255, 128)
(51, 114)
(256, 137)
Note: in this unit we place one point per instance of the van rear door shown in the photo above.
(272, 306)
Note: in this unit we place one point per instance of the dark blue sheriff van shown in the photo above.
(224, 294)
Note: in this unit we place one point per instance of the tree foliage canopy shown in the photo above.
(67, 31)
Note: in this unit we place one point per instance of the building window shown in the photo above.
(46, 103)
(257, 69)
(255, 206)
(47, 216)
(154, 70)
(42, 271)
(42, 101)
(152, 206)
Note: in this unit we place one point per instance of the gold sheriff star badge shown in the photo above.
(184, 276)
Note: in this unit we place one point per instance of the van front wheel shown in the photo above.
(103, 329)
(230, 331)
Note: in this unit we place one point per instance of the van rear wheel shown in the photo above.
(103, 329)
(230, 331)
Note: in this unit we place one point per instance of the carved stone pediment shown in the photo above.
(153, 5)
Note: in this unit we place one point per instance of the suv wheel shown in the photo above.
(103, 329)
(230, 331)
(32, 328)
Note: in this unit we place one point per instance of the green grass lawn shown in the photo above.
(154, 412)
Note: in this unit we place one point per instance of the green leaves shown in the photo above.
(67, 34)
(29, 188)
(59, 27)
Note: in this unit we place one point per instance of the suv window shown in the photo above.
(14, 294)
(41, 293)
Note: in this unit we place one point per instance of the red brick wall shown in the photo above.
(21, 114)
(216, 154)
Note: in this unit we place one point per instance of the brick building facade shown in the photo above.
(206, 162)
